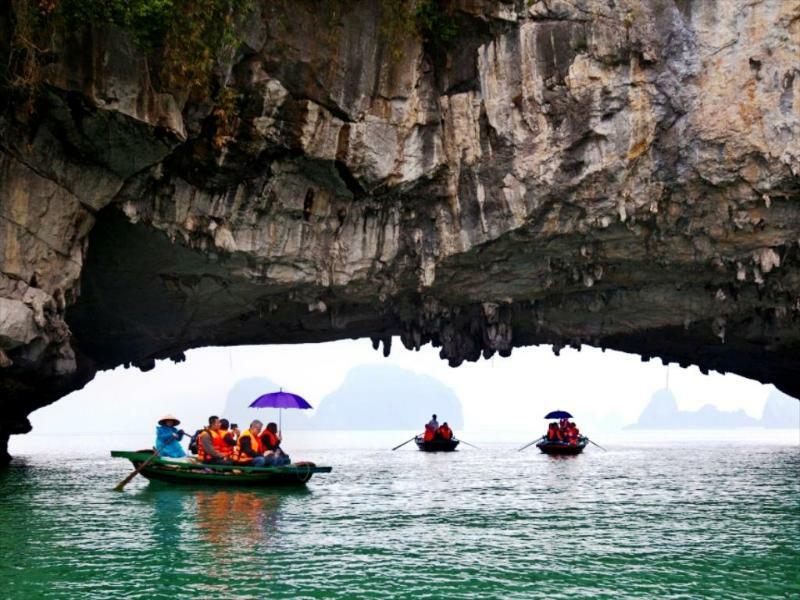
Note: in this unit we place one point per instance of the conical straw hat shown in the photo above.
(169, 418)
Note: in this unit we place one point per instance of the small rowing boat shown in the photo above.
(190, 471)
(436, 444)
(563, 448)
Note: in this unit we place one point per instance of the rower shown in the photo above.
(167, 437)
(433, 424)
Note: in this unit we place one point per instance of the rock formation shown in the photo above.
(608, 172)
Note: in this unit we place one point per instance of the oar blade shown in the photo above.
(121, 485)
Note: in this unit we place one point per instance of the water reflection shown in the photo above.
(649, 520)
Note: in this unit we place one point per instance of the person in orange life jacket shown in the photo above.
(235, 433)
(571, 434)
(226, 439)
(429, 434)
(271, 440)
(208, 445)
(249, 450)
(445, 432)
(553, 434)
(193, 440)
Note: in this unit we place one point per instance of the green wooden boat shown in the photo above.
(219, 475)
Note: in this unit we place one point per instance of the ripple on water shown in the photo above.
(637, 522)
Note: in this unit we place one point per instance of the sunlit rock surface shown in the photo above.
(619, 174)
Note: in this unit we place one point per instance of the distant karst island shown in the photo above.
(662, 412)
(371, 397)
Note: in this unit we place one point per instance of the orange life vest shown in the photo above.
(429, 434)
(272, 440)
(215, 440)
(221, 444)
(446, 433)
(255, 444)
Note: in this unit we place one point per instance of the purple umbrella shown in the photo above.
(280, 400)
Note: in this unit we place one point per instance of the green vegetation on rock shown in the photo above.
(186, 36)
(430, 20)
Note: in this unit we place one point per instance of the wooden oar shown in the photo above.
(598, 445)
(119, 487)
(468, 444)
(403, 444)
(531, 444)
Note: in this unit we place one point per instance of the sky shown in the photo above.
(603, 389)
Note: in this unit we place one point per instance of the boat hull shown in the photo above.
(436, 445)
(562, 449)
(221, 475)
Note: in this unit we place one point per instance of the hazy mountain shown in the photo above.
(372, 397)
(781, 411)
(662, 413)
(242, 394)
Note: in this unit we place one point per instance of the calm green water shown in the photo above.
(645, 520)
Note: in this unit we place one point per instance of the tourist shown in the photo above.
(249, 450)
(208, 444)
(553, 433)
(235, 431)
(271, 442)
(445, 432)
(167, 437)
(271, 439)
(226, 441)
(429, 434)
(193, 442)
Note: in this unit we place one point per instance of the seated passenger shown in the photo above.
(167, 437)
(553, 434)
(209, 446)
(249, 450)
(571, 435)
(226, 441)
(429, 434)
(445, 432)
(271, 442)
(193, 441)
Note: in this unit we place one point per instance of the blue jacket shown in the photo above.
(167, 439)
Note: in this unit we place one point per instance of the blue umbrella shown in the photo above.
(280, 400)
(558, 414)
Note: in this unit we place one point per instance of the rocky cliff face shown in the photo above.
(603, 172)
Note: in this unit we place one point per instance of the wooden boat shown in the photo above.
(171, 471)
(436, 445)
(563, 448)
